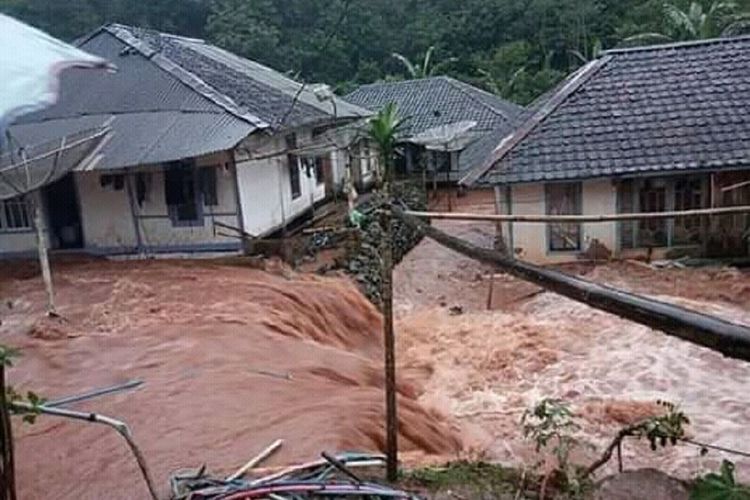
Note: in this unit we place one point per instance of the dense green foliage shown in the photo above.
(517, 48)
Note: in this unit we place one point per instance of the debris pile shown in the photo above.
(328, 477)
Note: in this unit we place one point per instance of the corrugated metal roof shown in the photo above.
(144, 138)
(173, 98)
(241, 85)
(155, 117)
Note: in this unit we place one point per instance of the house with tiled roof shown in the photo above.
(649, 129)
(201, 139)
(433, 107)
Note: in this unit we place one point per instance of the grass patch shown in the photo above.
(471, 479)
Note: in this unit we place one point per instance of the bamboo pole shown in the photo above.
(730, 339)
(260, 457)
(578, 218)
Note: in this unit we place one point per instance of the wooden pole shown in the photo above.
(388, 333)
(730, 339)
(6, 441)
(41, 238)
(579, 218)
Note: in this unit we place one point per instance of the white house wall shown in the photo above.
(530, 239)
(109, 224)
(105, 215)
(265, 189)
(17, 242)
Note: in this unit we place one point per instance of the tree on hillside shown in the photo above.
(517, 72)
(245, 27)
(427, 68)
(697, 21)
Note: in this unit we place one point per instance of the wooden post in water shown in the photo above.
(389, 339)
(42, 244)
(8, 486)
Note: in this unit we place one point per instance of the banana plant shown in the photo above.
(427, 68)
(696, 22)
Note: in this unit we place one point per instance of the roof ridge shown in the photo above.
(676, 45)
(536, 118)
(454, 81)
(397, 82)
(131, 27)
(125, 34)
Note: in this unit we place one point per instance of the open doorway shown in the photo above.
(63, 214)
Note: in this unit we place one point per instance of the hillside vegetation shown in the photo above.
(516, 48)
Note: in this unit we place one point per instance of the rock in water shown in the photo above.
(643, 484)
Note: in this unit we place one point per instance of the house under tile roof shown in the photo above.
(173, 98)
(431, 102)
(666, 108)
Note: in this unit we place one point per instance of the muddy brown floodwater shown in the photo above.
(488, 366)
(232, 358)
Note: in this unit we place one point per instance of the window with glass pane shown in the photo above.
(563, 199)
(14, 215)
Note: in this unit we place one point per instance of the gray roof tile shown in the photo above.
(431, 102)
(660, 108)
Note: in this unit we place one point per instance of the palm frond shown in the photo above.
(680, 21)
(410, 69)
(439, 67)
(736, 28)
(719, 9)
(427, 60)
(644, 39)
